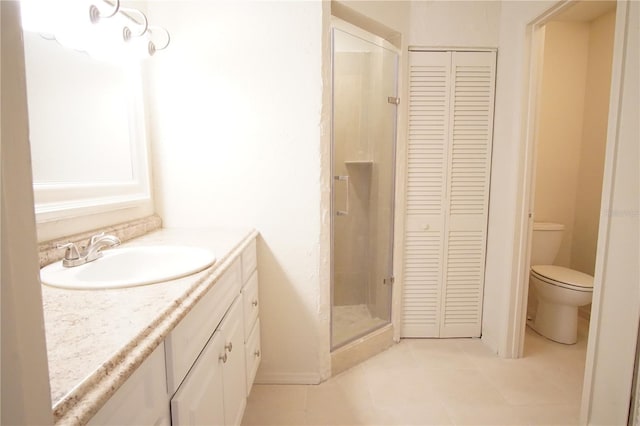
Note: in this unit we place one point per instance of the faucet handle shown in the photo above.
(71, 252)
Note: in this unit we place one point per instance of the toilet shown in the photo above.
(560, 291)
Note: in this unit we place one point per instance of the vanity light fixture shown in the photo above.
(109, 31)
(95, 14)
(144, 31)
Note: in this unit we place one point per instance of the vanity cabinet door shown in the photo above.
(200, 398)
(214, 392)
(186, 341)
(251, 304)
(234, 374)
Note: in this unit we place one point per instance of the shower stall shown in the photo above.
(364, 107)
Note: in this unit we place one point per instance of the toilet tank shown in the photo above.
(547, 238)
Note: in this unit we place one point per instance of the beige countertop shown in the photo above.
(97, 338)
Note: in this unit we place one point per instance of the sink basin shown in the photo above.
(129, 267)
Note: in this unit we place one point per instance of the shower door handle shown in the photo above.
(344, 179)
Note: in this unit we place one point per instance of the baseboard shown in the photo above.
(282, 378)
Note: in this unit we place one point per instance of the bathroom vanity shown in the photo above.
(180, 352)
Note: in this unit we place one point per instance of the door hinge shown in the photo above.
(389, 280)
(393, 100)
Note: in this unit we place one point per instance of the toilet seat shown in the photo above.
(560, 276)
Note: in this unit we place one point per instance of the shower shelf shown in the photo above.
(359, 163)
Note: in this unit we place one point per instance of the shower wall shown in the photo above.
(351, 240)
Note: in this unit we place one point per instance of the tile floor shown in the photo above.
(437, 382)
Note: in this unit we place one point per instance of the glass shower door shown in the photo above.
(363, 169)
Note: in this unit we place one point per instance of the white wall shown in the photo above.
(560, 123)
(25, 390)
(236, 132)
(594, 138)
(454, 23)
(386, 19)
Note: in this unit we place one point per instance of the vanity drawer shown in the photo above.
(250, 302)
(249, 261)
(187, 340)
(253, 355)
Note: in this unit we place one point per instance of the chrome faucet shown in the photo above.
(73, 256)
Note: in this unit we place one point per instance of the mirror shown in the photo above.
(86, 128)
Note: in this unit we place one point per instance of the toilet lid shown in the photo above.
(564, 275)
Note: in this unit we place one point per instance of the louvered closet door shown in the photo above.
(471, 124)
(449, 152)
(429, 87)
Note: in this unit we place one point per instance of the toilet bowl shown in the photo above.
(560, 291)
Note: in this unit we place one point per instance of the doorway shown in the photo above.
(573, 52)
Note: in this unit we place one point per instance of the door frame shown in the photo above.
(524, 220)
(516, 323)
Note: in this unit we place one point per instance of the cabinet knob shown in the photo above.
(257, 353)
(229, 346)
(425, 227)
(223, 358)
(255, 302)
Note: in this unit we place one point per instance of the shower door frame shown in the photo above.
(339, 24)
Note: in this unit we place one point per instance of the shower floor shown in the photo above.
(350, 321)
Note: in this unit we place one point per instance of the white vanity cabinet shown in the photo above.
(203, 371)
(188, 339)
(211, 386)
(251, 310)
(233, 366)
(213, 393)
(200, 399)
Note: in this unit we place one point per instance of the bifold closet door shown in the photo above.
(427, 152)
(448, 165)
